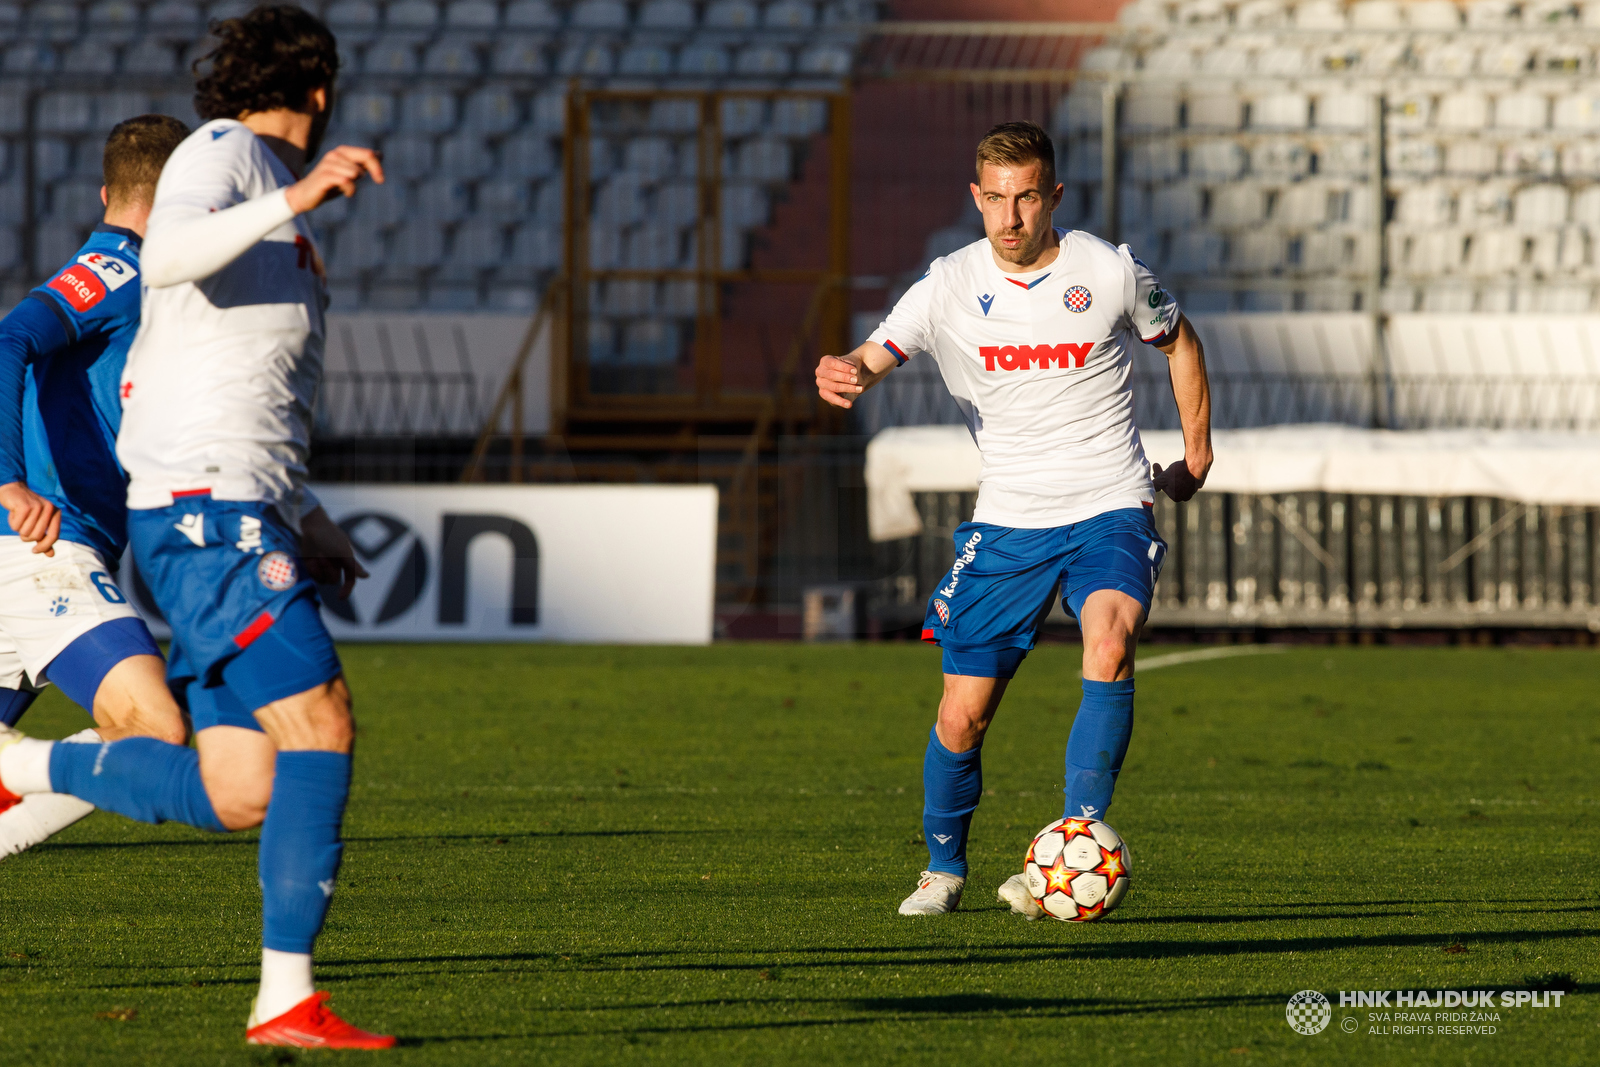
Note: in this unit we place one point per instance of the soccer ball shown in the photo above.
(1078, 869)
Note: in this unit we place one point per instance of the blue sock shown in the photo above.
(140, 777)
(13, 702)
(1095, 748)
(300, 847)
(952, 783)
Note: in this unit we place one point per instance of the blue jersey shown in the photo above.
(61, 356)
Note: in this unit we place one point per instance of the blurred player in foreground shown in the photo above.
(1034, 330)
(217, 398)
(63, 620)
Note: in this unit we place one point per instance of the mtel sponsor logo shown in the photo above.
(79, 286)
(1025, 357)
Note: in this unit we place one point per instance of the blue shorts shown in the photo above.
(246, 629)
(989, 606)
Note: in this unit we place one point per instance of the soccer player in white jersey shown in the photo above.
(1033, 330)
(217, 396)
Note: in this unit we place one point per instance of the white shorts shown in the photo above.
(48, 602)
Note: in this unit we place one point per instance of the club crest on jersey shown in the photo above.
(1077, 299)
(941, 609)
(986, 301)
(277, 571)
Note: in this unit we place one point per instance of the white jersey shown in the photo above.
(1039, 364)
(221, 379)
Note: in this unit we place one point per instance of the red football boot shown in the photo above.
(8, 737)
(309, 1024)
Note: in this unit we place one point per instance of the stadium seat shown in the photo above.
(407, 156)
(1344, 157)
(113, 21)
(1319, 15)
(1148, 107)
(442, 200)
(1282, 110)
(744, 206)
(763, 61)
(602, 341)
(1433, 14)
(764, 159)
(1486, 204)
(549, 203)
(650, 342)
(1377, 15)
(391, 56)
(1580, 159)
(452, 57)
(31, 57)
(358, 246)
(1338, 109)
(651, 158)
(654, 246)
(471, 16)
(622, 299)
(1557, 59)
(1523, 110)
(531, 15)
(492, 110)
(1425, 204)
(1492, 14)
(1464, 109)
(1408, 110)
(1237, 204)
(1415, 157)
(731, 15)
(353, 21)
(825, 60)
(112, 108)
(1495, 251)
(789, 15)
(1153, 14)
(52, 159)
(503, 198)
(89, 56)
(1530, 159)
(367, 113)
(666, 15)
(1509, 58)
(478, 244)
(591, 59)
(619, 201)
(418, 245)
(1079, 110)
(65, 112)
(1154, 160)
(798, 118)
(645, 61)
(605, 247)
(1177, 206)
(1215, 109)
(1328, 251)
(703, 59)
(742, 116)
(677, 204)
(602, 158)
(1225, 61)
(464, 156)
(520, 55)
(1202, 14)
(1309, 203)
(1449, 298)
(1173, 58)
(1285, 60)
(1447, 58)
(600, 15)
(1216, 160)
(427, 111)
(537, 246)
(1471, 157)
(1261, 15)
(1196, 252)
(411, 16)
(1540, 206)
(76, 202)
(678, 297)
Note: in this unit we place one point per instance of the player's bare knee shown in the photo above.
(241, 805)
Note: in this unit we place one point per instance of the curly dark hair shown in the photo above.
(271, 58)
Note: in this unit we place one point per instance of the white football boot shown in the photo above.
(1014, 891)
(937, 893)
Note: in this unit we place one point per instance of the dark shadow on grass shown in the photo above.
(911, 956)
(245, 837)
(533, 835)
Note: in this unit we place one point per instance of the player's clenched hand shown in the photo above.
(839, 379)
(1177, 481)
(326, 553)
(335, 174)
(32, 517)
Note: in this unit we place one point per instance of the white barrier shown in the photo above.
(579, 563)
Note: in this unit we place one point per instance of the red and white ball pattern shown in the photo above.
(1078, 869)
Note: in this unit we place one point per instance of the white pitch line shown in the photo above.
(1228, 652)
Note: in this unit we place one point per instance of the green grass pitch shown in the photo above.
(602, 855)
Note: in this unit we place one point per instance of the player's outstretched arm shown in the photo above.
(189, 241)
(840, 379)
(326, 553)
(29, 332)
(1186, 365)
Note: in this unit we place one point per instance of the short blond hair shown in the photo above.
(1016, 144)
